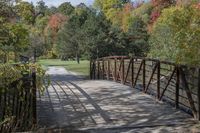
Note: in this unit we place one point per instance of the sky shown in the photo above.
(58, 2)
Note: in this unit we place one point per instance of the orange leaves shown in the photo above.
(128, 7)
(164, 3)
(197, 6)
(56, 21)
(125, 15)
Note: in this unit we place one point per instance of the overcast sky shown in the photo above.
(58, 2)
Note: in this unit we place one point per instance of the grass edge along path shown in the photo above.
(82, 68)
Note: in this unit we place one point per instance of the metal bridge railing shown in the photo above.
(176, 84)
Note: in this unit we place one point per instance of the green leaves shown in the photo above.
(66, 8)
(26, 11)
(177, 33)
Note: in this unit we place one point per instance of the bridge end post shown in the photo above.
(132, 73)
(122, 80)
(177, 86)
(34, 101)
(158, 79)
(144, 75)
(198, 94)
(98, 71)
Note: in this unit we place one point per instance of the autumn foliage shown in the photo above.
(56, 21)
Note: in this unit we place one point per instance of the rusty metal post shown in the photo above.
(132, 72)
(115, 71)
(90, 69)
(122, 81)
(177, 87)
(158, 80)
(98, 72)
(103, 69)
(34, 101)
(94, 70)
(108, 73)
(198, 94)
(188, 93)
(144, 75)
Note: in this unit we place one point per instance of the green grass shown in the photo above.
(82, 68)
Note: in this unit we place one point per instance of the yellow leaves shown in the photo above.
(183, 24)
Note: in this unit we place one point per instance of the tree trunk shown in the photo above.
(16, 57)
(5, 57)
(77, 58)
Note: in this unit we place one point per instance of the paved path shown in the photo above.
(72, 104)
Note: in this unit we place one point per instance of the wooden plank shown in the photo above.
(186, 87)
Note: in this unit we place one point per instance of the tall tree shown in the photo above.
(26, 12)
(176, 35)
(41, 7)
(138, 37)
(111, 8)
(66, 8)
(70, 37)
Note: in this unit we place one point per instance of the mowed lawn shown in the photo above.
(82, 68)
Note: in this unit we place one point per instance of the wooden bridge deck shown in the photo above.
(75, 105)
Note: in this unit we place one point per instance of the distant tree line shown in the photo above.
(163, 29)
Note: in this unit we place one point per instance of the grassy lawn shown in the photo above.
(82, 68)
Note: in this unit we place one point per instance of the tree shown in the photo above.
(176, 35)
(26, 12)
(37, 45)
(158, 6)
(69, 38)
(111, 8)
(52, 10)
(126, 15)
(19, 38)
(41, 8)
(6, 11)
(94, 31)
(16, 39)
(138, 38)
(56, 21)
(66, 8)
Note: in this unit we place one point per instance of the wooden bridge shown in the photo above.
(128, 95)
(124, 95)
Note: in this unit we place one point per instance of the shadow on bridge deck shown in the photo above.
(74, 105)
